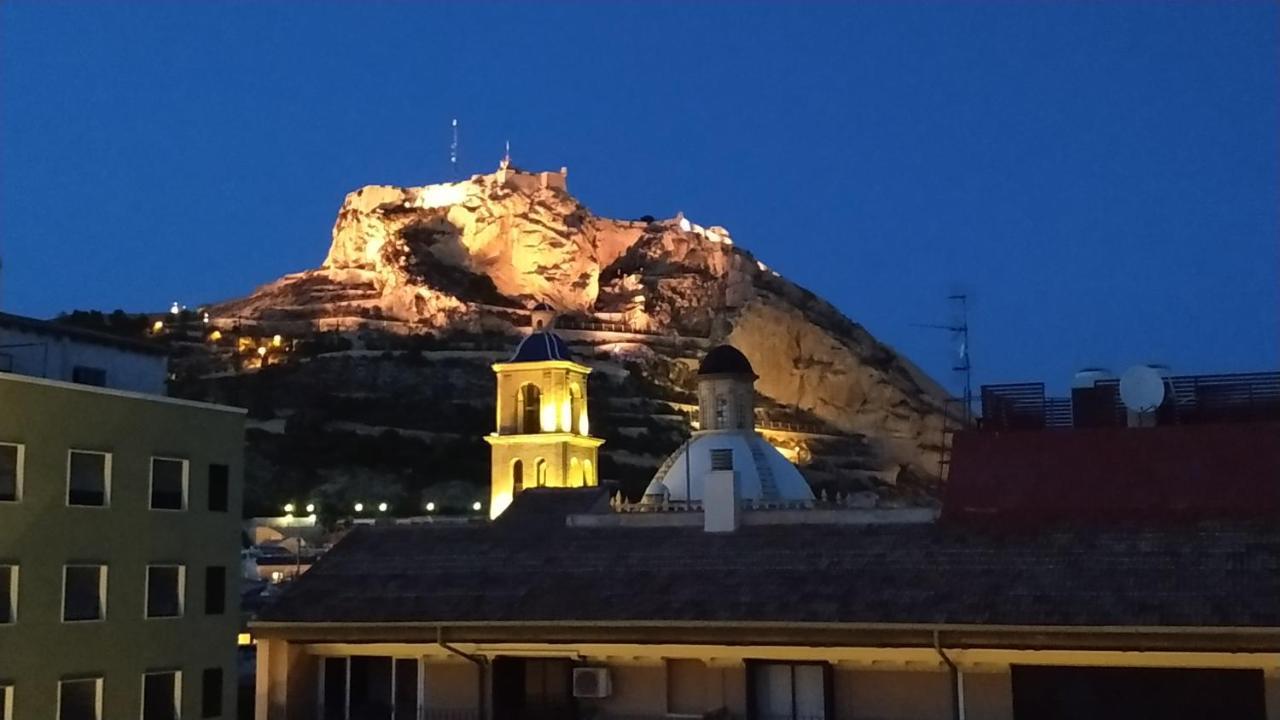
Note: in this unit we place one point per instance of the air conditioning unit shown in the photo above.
(591, 682)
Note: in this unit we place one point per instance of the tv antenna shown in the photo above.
(453, 152)
(960, 332)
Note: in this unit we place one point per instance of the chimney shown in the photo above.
(721, 505)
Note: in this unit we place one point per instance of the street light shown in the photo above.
(431, 507)
(359, 507)
(288, 508)
(382, 507)
(311, 508)
(476, 506)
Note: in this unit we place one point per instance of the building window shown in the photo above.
(722, 459)
(369, 686)
(88, 478)
(218, 477)
(161, 695)
(84, 592)
(517, 476)
(540, 472)
(11, 460)
(168, 484)
(529, 409)
(6, 702)
(211, 693)
(789, 691)
(86, 375)
(8, 597)
(80, 699)
(722, 409)
(164, 590)
(575, 473)
(6, 365)
(215, 590)
(577, 409)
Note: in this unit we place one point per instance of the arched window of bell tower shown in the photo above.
(540, 471)
(528, 409)
(577, 408)
(575, 473)
(517, 476)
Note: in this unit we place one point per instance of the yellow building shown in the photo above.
(119, 553)
(543, 434)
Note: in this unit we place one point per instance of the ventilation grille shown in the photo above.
(722, 459)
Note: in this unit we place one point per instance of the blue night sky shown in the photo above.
(1103, 178)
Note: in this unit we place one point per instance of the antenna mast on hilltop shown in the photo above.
(963, 365)
(453, 152)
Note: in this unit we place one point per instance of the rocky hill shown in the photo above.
(369, 376)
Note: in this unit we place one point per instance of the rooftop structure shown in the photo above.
(723, 602)
(58, 351)
(727, 443)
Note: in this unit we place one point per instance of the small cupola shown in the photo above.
(726, 390)
(542, 317)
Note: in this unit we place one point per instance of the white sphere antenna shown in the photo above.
(1142, 388)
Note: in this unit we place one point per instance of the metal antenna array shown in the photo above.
(960, 331)
(453, 152)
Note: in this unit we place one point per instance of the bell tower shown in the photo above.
(542, 437)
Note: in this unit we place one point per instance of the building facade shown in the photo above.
(39, 348)
(119, 553)
(574, 604)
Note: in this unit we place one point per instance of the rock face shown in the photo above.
(445, 273)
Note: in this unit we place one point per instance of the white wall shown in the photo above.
(54, 357)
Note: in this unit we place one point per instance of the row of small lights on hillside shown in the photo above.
(310, 508)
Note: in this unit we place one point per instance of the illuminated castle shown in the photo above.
(543, 438)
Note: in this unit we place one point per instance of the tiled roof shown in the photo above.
(541, 346)
(528, 566)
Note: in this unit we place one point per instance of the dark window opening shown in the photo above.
(529, 409)
(85, 375)
(80, 699)
(160, 696)
(83, 592)
(87, 479)
(211, 693)
(517, 476)
(168, 484)
(406, 689)
(335, 688)
(164, 591)
(218, 477)
(532, 689)
(10, 467)
(215, 590)
(8, 596)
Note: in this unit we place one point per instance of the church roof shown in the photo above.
(524, 567)
(725, 360)
(541, 346)
(763, 473)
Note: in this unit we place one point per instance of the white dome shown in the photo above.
(763, 473)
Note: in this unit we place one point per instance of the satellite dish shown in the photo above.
(1142, 388)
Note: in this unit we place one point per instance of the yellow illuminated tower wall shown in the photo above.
(543, 437)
